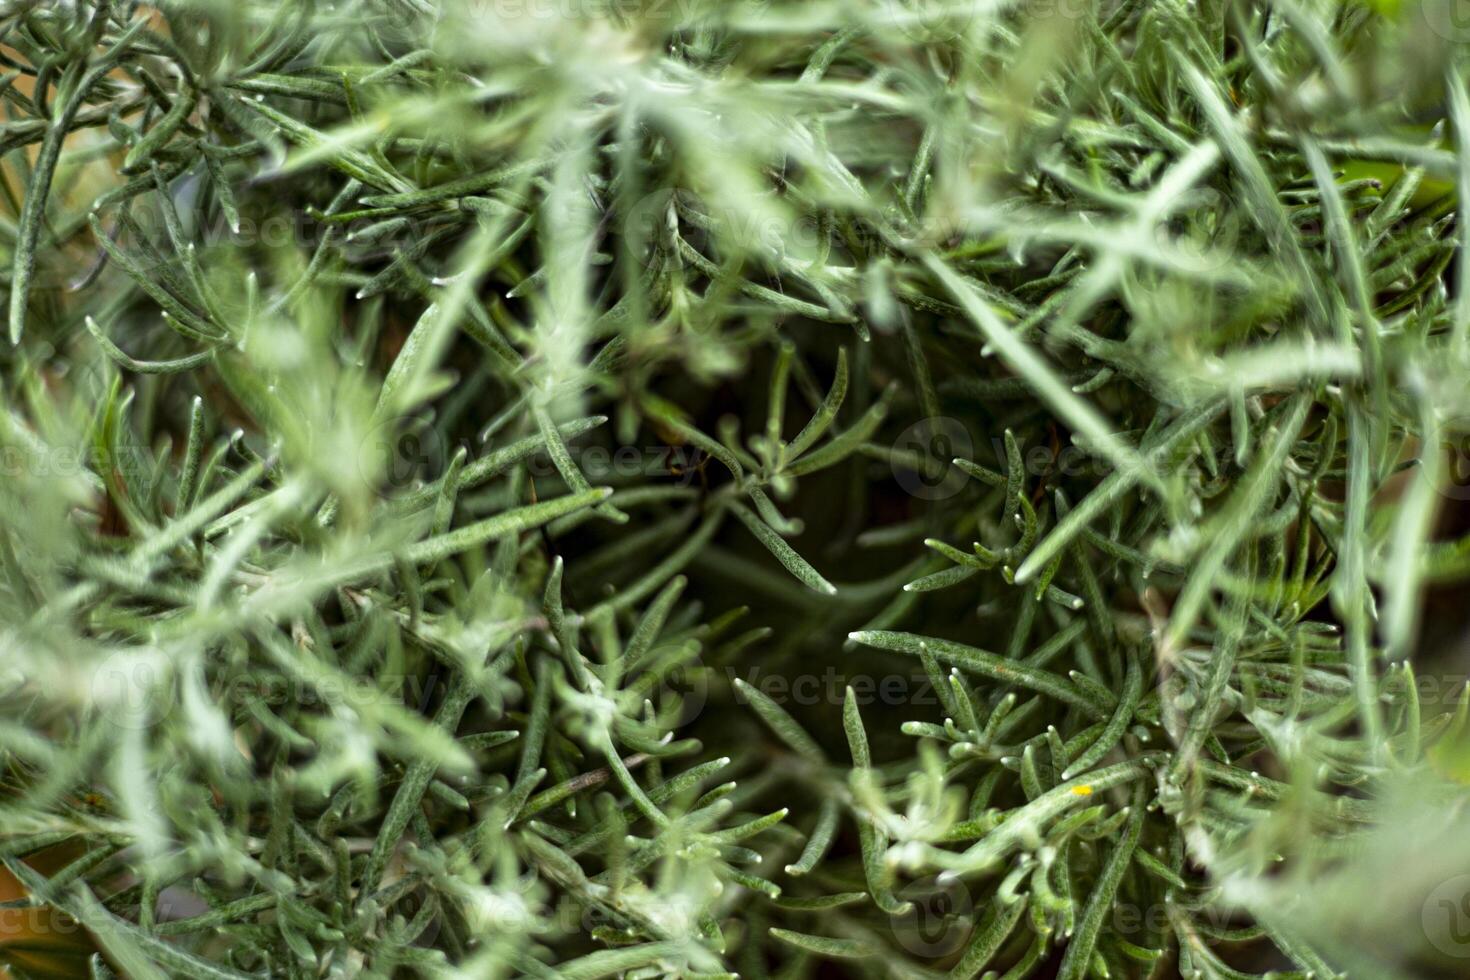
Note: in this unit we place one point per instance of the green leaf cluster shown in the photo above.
(447, 442)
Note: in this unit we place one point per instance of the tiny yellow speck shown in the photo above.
(1083, 790)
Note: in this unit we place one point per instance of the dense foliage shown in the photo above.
(575, 488)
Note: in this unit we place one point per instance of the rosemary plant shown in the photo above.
(710, 488)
